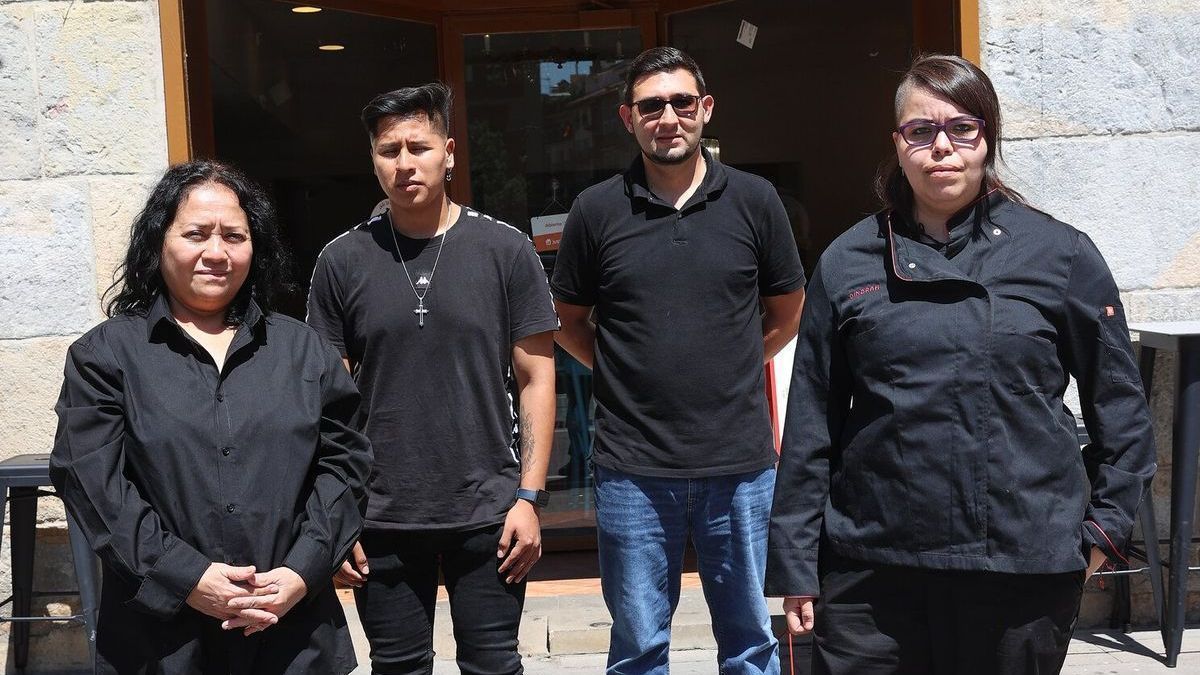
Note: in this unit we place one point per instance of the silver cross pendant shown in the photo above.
(420, 311)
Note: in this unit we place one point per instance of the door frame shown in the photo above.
(938, 25)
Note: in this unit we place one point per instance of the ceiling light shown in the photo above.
(331, 47)
(306, 9)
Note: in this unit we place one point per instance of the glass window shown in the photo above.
(287, 112)
(543, 126)
(809, 107)
(542, 117)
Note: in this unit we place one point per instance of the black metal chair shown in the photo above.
(21, 478)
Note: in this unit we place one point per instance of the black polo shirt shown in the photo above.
(679, 384)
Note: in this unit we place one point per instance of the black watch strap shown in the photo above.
(536, 497)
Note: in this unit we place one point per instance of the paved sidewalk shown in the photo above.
(1102, 652)
(1090, 654)
(569, 634)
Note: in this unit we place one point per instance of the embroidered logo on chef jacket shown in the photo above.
(859, 292)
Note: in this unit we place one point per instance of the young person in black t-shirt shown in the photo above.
(440, 312)
(672, 260)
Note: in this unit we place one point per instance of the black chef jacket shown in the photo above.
(925, 423)
(168, 465)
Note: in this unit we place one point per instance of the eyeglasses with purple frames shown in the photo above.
(964, 129)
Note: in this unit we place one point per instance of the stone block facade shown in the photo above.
(82, 137)
(1102, 128)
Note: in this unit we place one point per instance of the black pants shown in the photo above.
(396, 604)
(885, 619)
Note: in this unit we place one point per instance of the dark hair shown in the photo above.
(660, 60)
(138, 280)
(962, 83)
(430, 100)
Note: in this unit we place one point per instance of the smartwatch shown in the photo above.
(536, 497)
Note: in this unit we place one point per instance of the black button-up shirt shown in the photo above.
(926, 424)
(168, 464)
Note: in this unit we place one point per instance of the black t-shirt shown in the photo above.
(679, 381)
(439, 400)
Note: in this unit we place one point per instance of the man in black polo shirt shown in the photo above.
(444, 317)
(671, 261)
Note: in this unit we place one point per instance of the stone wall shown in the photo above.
(1102, 130)
(82, 138)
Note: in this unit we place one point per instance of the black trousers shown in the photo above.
(885, 619)
(396, 604)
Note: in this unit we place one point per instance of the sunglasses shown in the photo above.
(682, 104)
(963, 129)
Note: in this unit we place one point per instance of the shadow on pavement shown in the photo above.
(1118, 641)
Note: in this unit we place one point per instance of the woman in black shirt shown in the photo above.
(206, 447)
(932, 498)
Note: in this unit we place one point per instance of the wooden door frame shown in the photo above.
(187, 89)
(175, 84)
(939, 25)
(967, 23)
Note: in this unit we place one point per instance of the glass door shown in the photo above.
(286, 92)
(542, 125)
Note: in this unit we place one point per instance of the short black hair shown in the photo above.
(660, 60)
(430, 100)
(138, 280)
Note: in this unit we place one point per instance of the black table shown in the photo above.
(1182, 337)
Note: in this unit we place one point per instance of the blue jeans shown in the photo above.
(642, 524)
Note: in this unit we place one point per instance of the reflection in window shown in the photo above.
(543, 126)
(542, 117)
(809, 108)
(288, 113)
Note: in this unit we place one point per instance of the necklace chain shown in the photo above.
(420, 311)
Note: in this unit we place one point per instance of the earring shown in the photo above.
(449, 176)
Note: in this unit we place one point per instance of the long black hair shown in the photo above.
(138, 280)
(962, 83)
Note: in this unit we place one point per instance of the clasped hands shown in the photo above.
(239, 597)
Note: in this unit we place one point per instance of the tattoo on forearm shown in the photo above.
(526, 443)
